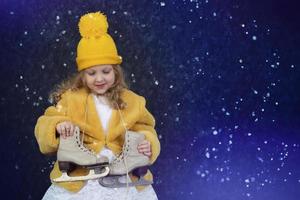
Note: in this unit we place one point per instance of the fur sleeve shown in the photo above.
(45, 129)
(145, 125)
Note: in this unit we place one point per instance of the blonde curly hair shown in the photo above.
(75, 82)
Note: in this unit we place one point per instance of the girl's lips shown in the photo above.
(100, 86)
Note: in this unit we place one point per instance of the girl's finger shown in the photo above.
(147, 154)
(144, 147)
(60, 130)
(145, 144)
(65, 131)
(68, 130)
(144, 151)
(72, 130)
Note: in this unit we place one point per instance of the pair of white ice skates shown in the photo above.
(72, 153)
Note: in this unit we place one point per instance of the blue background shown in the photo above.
(221, 78)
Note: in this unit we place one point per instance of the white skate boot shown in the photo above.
(130, 160)
(71, 152)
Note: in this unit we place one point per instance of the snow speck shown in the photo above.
(260, 159)
(207, 155)
(215, 132)
(255, 91)
(258, 149)
(26, 88)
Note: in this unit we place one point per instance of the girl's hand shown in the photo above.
(65, 129)
(145, 148)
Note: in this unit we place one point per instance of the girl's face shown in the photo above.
(99, 78)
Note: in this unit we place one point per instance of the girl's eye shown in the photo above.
(91, 73)
(106, 71)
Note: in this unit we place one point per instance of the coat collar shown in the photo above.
(115, 125)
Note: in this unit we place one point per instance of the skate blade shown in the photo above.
(113, 182)
(92, 175)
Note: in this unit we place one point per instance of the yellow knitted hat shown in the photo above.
(96, 46)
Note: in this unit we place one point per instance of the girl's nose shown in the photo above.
(99, 78)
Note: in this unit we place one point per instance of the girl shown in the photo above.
(97, 101)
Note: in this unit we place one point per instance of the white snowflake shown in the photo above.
(215, 132)
(207, 155)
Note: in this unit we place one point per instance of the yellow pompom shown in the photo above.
(93, 25)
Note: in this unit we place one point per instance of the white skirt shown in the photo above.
(94, 191)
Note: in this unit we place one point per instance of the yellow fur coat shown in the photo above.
(72, 107)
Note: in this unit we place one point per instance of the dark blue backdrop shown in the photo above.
(221, 78)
